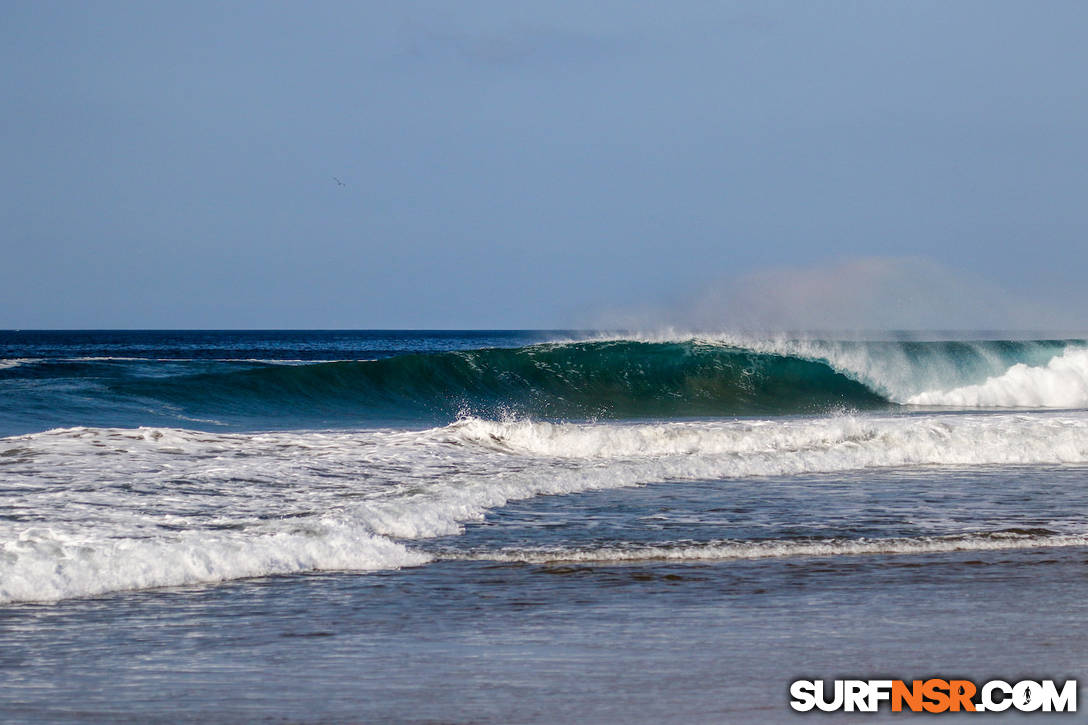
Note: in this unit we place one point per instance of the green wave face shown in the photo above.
(622, 379)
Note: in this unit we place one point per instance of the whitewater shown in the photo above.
(530, 509)
(90, 509)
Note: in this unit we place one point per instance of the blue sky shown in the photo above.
(518, 165)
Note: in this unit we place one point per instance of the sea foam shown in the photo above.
(46, 565)
(92, 510)
(773, 549)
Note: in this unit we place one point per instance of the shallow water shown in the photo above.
(482, 641)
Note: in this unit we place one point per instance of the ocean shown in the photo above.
(530, 526)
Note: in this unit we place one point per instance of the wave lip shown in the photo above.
(775, 549)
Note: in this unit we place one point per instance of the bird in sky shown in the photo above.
(338, 182)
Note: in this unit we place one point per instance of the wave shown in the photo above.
(788, 548)
(112, 509)
(620, 379)
(585, 380)
(899, 370)
(661, 379)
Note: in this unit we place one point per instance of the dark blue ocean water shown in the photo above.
(106, 378)
(528, 526)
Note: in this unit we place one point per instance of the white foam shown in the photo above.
(1061, 383)
(731, 550)
(14, 362)
(93, 510)
(101, 510)
(46, 565)
(767, 448)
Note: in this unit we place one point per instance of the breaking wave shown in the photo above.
(608, 379)
(1061, 383)
(580, 380)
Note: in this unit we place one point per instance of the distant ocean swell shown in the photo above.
(615, 379)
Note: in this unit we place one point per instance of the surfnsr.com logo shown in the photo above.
(933, 695)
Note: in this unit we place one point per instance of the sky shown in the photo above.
(543, 164)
